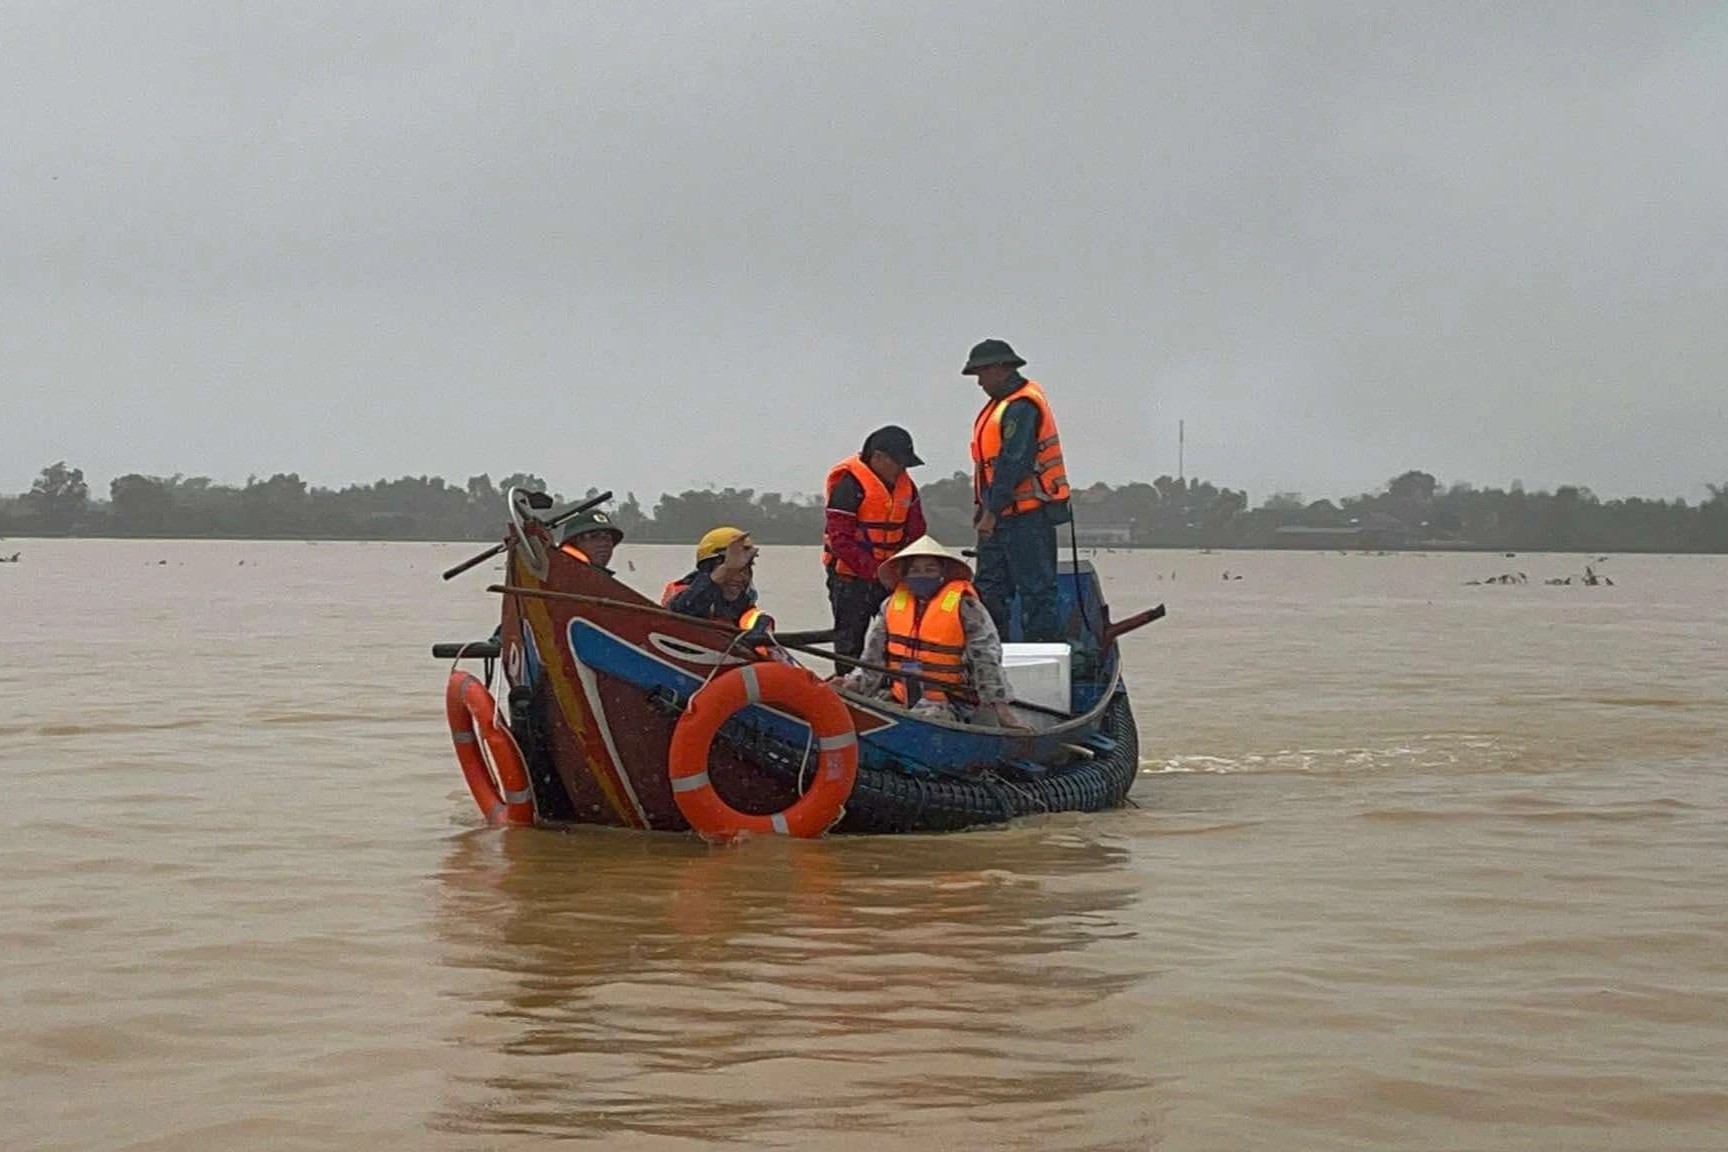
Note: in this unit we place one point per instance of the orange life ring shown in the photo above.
(467, 706)
(795, 689)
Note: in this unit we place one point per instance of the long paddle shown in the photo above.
(728, 630)
(1138, 620)
(1115, 631)
(812, 636)
(574, 510)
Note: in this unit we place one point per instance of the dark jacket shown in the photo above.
(699, 596)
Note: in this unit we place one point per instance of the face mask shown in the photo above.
(924, 587)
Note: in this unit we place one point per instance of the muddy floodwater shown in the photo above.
(1414, 864)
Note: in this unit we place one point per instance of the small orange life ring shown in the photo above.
(795, 689)
(467, 706)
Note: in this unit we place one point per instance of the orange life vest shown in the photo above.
(745, 618)
(1047, 483)
(882, 514)
(933, 643)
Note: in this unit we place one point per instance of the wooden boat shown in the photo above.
(597, 679)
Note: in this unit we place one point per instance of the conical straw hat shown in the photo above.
(889, 570)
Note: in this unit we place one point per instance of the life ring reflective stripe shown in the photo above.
(472, 714)
(794, 689)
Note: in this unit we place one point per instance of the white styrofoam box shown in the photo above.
(1037, 674)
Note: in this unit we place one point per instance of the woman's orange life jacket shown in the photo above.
(931, 642)
(882, 515)
(1047, 483)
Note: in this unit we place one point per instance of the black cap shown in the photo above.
(988, 352)
(895, 441)
(589, 522)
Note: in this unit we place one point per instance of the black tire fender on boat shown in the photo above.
(889, 801)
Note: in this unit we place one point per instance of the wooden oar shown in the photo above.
(1138, 620)
(793, 641)
(812, 636)
(727, 630)
(574, 510)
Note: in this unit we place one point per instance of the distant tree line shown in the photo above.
(1412, 511)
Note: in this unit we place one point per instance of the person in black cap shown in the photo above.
(872, 513)
(590, 538)
(1019, 492)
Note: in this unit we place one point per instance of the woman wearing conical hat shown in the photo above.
(934, 628)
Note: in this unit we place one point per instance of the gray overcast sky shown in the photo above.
(659, 245)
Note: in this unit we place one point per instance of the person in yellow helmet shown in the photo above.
(722, 586)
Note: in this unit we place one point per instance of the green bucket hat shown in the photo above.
(586, 523)
(988, 352)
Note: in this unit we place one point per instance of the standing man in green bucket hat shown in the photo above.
(1019, 492)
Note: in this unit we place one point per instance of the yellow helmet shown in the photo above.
(715, 542)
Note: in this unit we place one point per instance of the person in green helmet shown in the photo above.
(1020, 493)
(591, 538)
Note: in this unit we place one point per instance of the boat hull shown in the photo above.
(598, 677)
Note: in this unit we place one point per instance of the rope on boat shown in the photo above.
(1033, 802)
(804, 758)
(993, 785)
(923, 798)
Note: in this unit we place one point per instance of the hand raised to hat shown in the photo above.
(740, 554)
